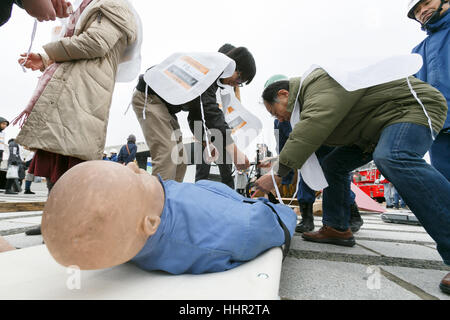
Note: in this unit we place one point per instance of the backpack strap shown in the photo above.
(287, 235)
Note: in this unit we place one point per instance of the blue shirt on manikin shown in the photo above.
(207, 227)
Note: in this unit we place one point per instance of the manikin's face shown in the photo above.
(100, 214)
(426, 8)
(279, 109)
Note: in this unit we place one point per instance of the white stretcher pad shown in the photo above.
(32, 273)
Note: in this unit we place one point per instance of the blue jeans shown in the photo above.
(399, 157)
(388, 194)
(398, 200)
(440, 154)
(305, 193)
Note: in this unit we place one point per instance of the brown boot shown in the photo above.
(445, 284)
(329, 235)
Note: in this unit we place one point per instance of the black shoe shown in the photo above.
(29, 192)
(307, 223)
(10, 192)
(445, 284)
(356, 221)
(34, 232)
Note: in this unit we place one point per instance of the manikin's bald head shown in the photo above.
(100, 214)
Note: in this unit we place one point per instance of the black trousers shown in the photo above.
(202, 173)
(13, 185)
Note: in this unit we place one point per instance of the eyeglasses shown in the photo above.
(239, 81)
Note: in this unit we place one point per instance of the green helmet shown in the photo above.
(275, 78)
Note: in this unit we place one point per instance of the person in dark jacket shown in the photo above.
(225, 165)
(43, 10)
(434, 17)
(128, 151)
(113, 156)
(162, 130)
(3, 125)
(13, 160)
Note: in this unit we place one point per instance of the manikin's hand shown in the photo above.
(265, 183)
(34, 61)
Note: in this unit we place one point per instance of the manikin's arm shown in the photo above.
(5, 246)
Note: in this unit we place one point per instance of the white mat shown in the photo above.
(32, 273)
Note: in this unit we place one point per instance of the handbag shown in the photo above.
(13, 172)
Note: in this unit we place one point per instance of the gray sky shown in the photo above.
(285, 36)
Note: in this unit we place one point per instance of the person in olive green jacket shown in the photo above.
(384, 123)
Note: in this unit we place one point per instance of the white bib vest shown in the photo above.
(183, 77)
(245, 126)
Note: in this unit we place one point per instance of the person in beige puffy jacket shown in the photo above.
(67, 117)
(69, 113)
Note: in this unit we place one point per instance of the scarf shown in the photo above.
(51, 69)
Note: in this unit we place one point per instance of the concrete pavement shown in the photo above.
(389, 261)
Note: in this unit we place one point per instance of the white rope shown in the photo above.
(276, 187)
(204, 127)
(145, 102)
(296, 188)
(131, 102)
(423, 107)
(33, 35)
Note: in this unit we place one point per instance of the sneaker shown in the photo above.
(330, 235)
(29, 192)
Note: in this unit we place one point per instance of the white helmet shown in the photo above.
(113, 150)
(436, 15)
(411, 6)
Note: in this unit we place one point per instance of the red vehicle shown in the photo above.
(365, 178)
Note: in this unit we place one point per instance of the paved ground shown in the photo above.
(389, 261)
